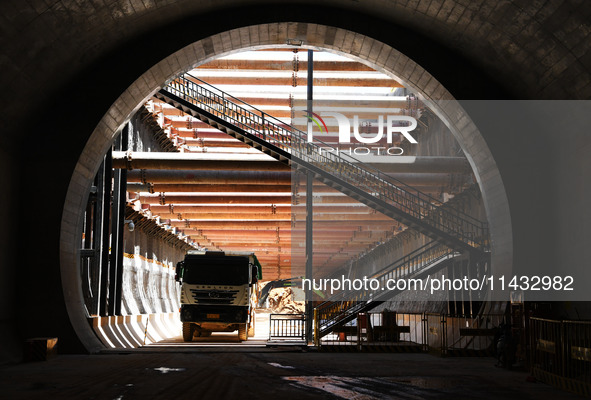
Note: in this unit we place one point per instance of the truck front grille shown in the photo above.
(214, 296)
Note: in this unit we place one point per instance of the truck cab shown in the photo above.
(218, 292)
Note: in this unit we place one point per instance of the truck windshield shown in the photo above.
(216, 271)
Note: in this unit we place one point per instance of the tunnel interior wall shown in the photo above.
(146, 135)
(10, 351)
(149, 284)
(436, 140)
(86, 55)
(150, 294)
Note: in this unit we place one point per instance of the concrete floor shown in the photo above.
(280, 374)
(220, 367)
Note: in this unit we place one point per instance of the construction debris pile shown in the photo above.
(281, 301)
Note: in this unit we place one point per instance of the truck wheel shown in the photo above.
(188, 330)
(251, 328)
(242, 329)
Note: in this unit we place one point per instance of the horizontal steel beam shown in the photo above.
(196, 161)
(249, 225)
(192, 142)
(265, 225)
(169, 211)
(281, 217)
(301, 81)
(220, 177)
(278, 65)
(206, 188)
(187, 199)
(239, 199)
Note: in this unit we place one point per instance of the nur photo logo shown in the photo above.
(393, 128)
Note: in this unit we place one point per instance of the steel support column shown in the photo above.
(119, 199)
(309, 212)
(92, 242)
(104, 190)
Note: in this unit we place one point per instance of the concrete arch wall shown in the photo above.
(536, 49)
(64, 63)
(149, 285)
(363, 48)
(150, 295)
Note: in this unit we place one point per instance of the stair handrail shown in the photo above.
(433, 248)
(418, 204)
(371, 169)
(337, 307)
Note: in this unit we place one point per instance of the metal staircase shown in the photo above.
(362, 182)
(343, 307)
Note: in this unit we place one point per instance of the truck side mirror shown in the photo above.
(254, 274)
(179, 271)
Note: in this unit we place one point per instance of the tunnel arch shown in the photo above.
(378, 55)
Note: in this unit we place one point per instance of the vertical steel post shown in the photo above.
(117, 223)
(309, 212)
(120, 245)
(115, 228)
(88, 253)
(316, 331)
(309, 256)
(104, 241)
(92, 240)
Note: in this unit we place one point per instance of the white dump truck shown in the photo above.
(218, 292)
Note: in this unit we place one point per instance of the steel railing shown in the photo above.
(438, 333)
(386, 327)
(465, 334)
(560, 353)
(343, 306)
(577, 343)
(287, 327)
(285, 142)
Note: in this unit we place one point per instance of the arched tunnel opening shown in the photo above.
(173, 180)
(79, 76)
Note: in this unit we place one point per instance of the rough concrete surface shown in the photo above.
(183, 372)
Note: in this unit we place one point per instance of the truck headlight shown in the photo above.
(187, 314)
